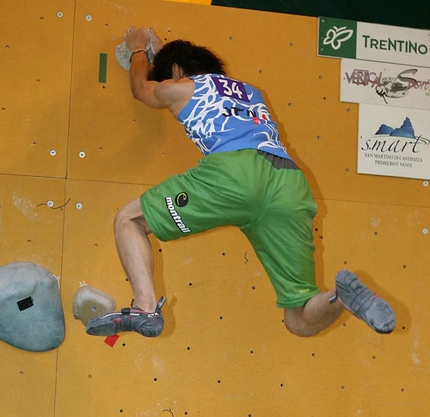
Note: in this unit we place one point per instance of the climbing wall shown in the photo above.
(75, 147)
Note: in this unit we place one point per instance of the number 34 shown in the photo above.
(233, 90)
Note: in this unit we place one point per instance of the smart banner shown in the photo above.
(385, 84)
(357, 40)
(394, 141)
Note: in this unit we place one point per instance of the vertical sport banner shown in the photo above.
(385, 84)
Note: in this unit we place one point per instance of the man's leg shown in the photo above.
(323, 309)
(316, 315)
(135, 253)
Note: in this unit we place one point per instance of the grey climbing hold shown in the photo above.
(90, 302)
(31, 314)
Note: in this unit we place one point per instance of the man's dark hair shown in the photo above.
(193, 59)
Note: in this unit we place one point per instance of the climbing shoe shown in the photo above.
(364, 303)
(128, 320)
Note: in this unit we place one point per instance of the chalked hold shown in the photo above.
(90, 302)
(31, 314)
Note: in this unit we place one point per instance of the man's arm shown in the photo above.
(137, 40)
(142, 89)
(171, 94)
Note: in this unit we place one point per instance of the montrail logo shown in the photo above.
(181, 199)
(335, 36)
(175, 216)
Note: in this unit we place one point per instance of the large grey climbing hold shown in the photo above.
(90, 302)
(31, 314)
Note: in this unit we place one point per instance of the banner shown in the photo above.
(368, 41)
(385, 84)
(394, 141)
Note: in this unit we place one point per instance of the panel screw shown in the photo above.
(50, 203)
(52, 152)
(81, 154)
(88, 18)
(425, 231)
(60, 14)
(79, 206)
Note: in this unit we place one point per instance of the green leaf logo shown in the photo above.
(336, 36)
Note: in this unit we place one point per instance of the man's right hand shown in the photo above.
(136, 38)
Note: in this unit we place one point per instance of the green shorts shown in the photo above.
(273, 207)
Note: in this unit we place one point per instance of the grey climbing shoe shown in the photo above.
(128, 320)
(364, 303)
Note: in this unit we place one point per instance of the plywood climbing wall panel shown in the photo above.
(35, 63)
(116, 138)
(224, 350)
(31, 229)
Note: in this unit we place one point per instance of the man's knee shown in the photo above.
(131, 212)
(296, 329)
(122, 215)
(295, 323)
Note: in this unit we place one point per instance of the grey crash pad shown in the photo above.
(31, 314)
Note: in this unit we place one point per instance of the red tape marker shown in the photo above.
(111, 340)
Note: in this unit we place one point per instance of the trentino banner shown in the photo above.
(357, 40)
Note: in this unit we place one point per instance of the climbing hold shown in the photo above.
(31, 314)
(90, 302)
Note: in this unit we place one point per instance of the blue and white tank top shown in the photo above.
(227, 115)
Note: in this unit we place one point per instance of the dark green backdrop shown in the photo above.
(409, 13)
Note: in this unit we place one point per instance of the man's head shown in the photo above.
(189, 59)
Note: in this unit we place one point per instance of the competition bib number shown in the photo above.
(231, 88)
